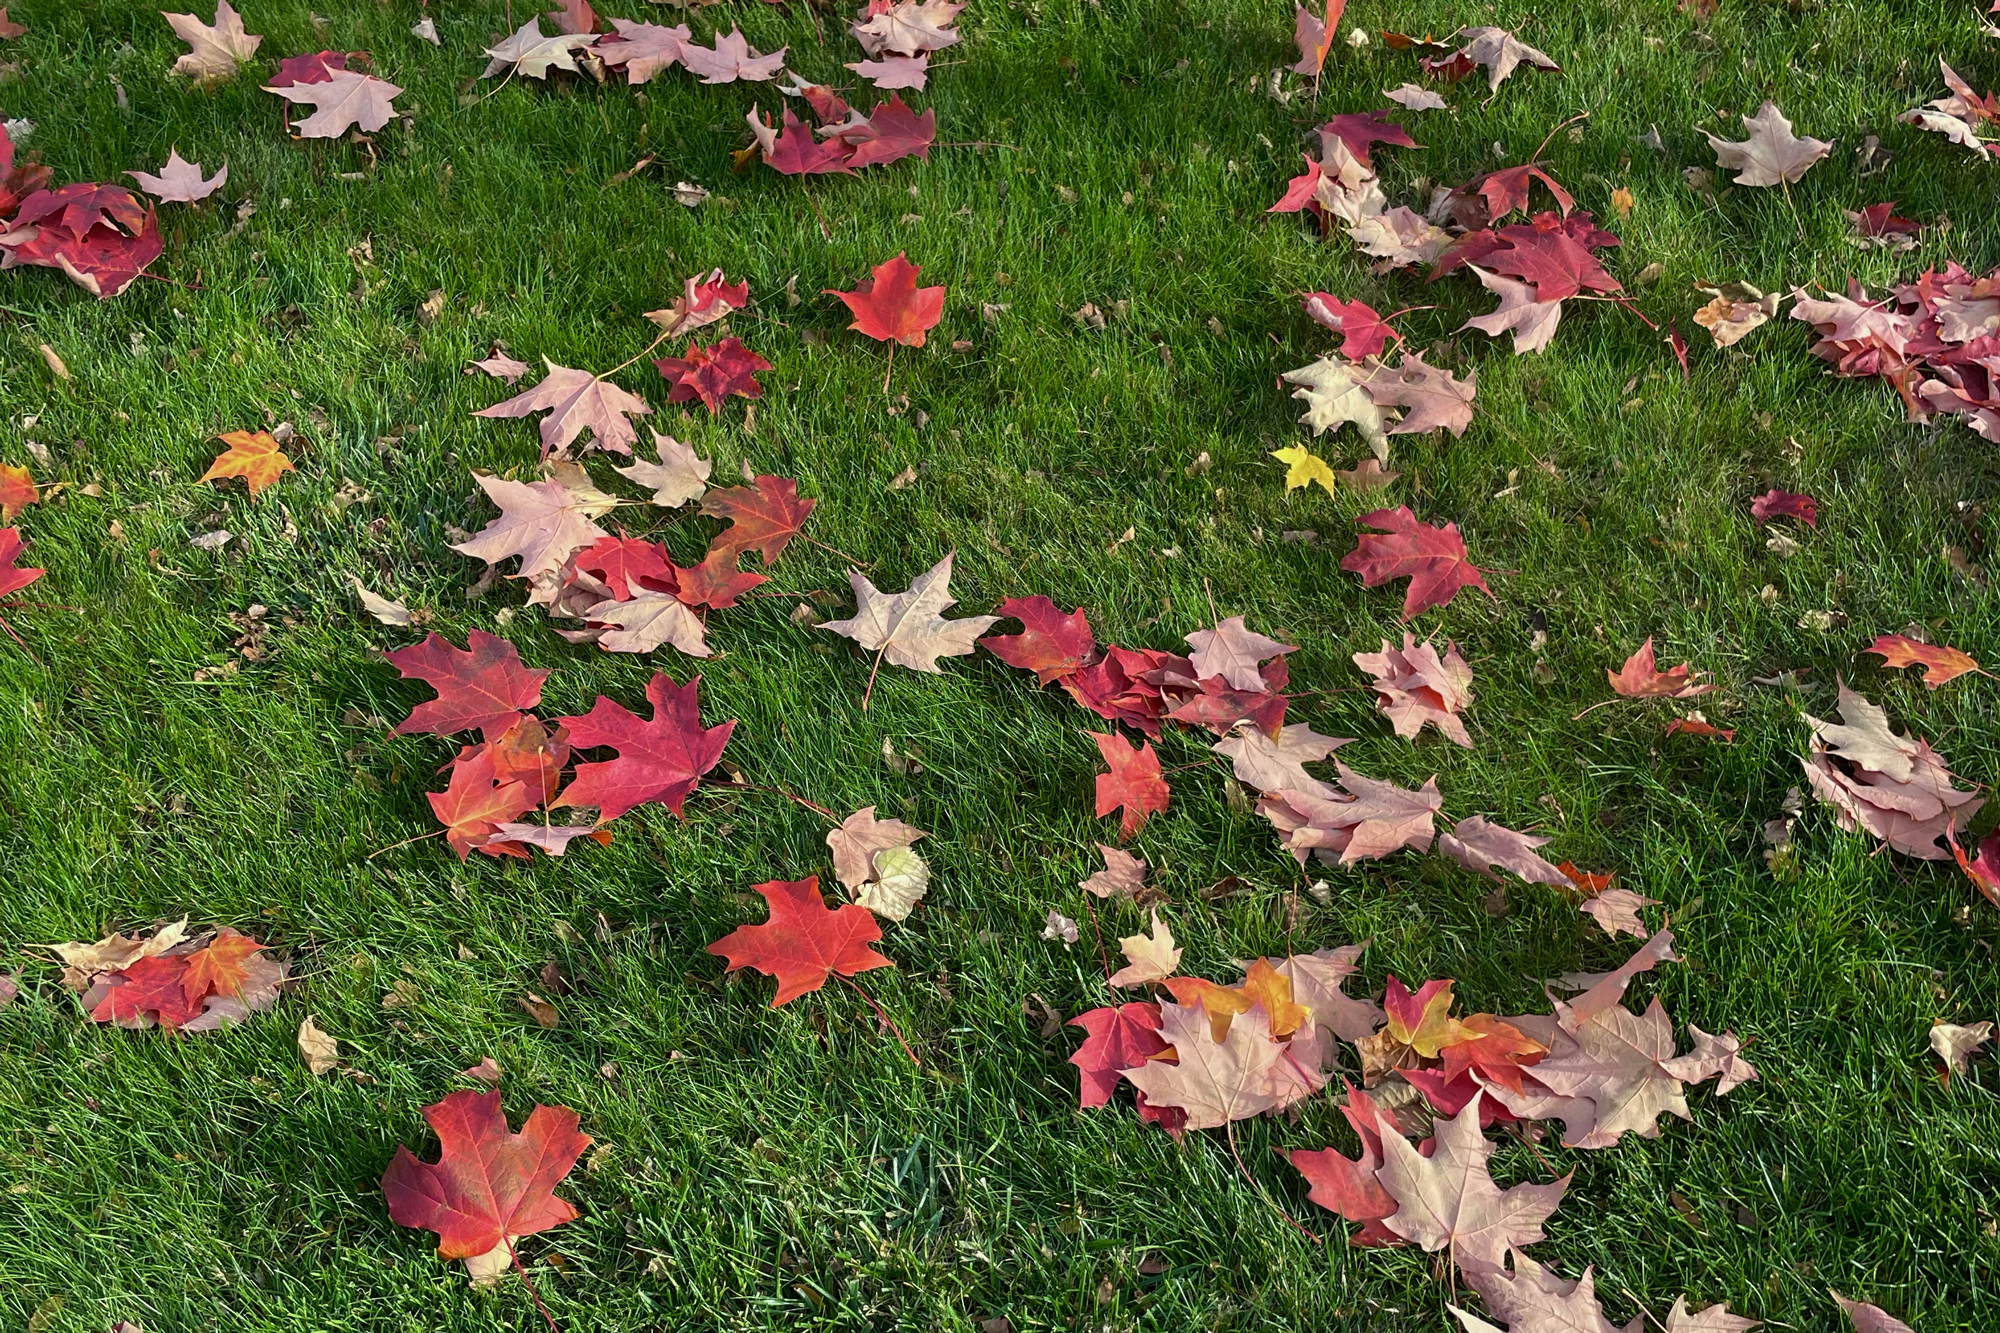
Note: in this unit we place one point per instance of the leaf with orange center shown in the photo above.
(1494, 1050)
(17, 490)
(1640, 679)
(1418, 1026)
(1941, 665)
(1262, 984)
(474, 804)
(218, 969)
(530, 754)
(763, 517)
(255, 458)
(890, 306)
(1134, 782)
(803, 943)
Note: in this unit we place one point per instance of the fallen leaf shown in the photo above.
(1367, 475)
(1894, 788)
(480, 686)
(180, 181)
(1436, 400)
(1052, 644)
(17, 490)
(1640, 679)
(659, 761)
(1775, 503)
(1213, 1082)
(730, 59)
(1314, 36)
(1303, 467)
(576, 401)
(1271, 764)
(1941, 665)
(500, 366)
(907, 628)
(1955, 1045)
(1134, 782)
(895, 71)
(1116, 1038)
(1334, 392)
(1531, 321)
(763, 517)
(487, 1071)
(1712, 1057)
(1448, 1201)
(1616, 911)
(1477, 844)
(1415, 686)
(713, 373)
(1370, 819)
(476, 801)
(346, 100)
(1416, 99)
(488, 1185)
(1349, 1186)
(890, 306)
(858, 839)
(908, 27)
(529, 53)
(1500, 52)
(802, 943)
(383, 609)
(1432, 558)
(704, 300)
(217, 48)
(1149, 957)
(540, 521)
(1772, 155)
(1737, 310)
(255, 458)
(1868, 1318)
(1123, 876)
(679, 476)
(321, 1052)
(642, 49)
(1233, 653)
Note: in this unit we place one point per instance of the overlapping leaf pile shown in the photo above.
(173, 980)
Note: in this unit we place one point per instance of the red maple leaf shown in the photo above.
(488, 1185)
(803, 943)
(1484, 200)
(482, 685)
(627, 562)
(1556, 263)
(715, 581)
(17, 183)
(1125, 685)
(1299, 190)
(475, 803)
(1879, 220)
(897, 133)
(1640, 678)
(713, 373)
(890, 305)
(1363, 333)
(1133, 782)
(660, 760)
(1218, 707)
(77, 208)
(528, 753)
(315, 68)
(13, 578)
(1119, 1037)
(1348, 1186)
(1051, 644)
(1775, 503)
(828, 107)
(150, 986)
(762, 517)
(1432, 558)
(1362, 128)
(794, 152)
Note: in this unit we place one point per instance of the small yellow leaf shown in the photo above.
(1303, 467)
(1621, 202)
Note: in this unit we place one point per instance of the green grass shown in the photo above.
(794, 1169)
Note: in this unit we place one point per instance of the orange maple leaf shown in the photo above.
(255, 458)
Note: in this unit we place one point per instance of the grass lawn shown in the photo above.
(794, 1169)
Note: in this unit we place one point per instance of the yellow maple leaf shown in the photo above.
(1303, 467)
(1262, 984)
(1436, 1028)
(255, 458)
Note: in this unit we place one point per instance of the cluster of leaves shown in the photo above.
(518, 764)
(179, 982)
(102, 237)
(848, 140)
(1933, 339)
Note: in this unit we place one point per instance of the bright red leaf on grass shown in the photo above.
(1051, 644)
(715, 582)
(528, 753)
(1359, 129)
(1551, 259)
(1348, 1186)
(1941, 665)
(475, 803)
(713, 373)
(1640, 679)
(659, 760)
(803, 943)
(151, 989)
(763, 517)
(890, 306)
(1118, 1038)
(481, 685)
(1363, 333)
(791, 150)
(488, 1185)
(628, 565)
(895, 132)
(1432, 558)
(77, 208)
(101, 236)
(1775, 503)
(1879, 220)
(12, 578)
(1134, 781)
(1487, 199)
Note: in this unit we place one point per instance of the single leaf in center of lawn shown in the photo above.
(488, 1185)
(890, 306)
(1432, 558)
(660, 760)
(803, 943)
(907, 627)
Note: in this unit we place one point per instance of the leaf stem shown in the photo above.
(871, 676)
(885, 1020)
(819, 810)
(533, 1295)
